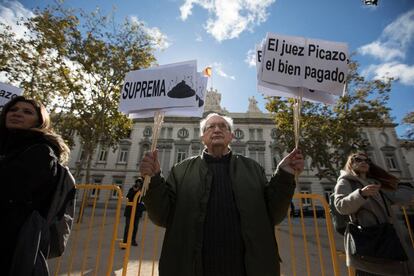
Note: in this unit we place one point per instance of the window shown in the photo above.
(239, 150)
(144, 149)
(81, 155)
(103, 155)
(196, 133)
(118, 182)
(305, 201)
(259, 134)
(94, 192)
(162, 133)
(196, 151)
(327, 192)
(384, 138)
(258, 156)
(129, 133)
(169, 132)
(261, 158)
(364, 135)
(391, 163)
(181, 155)
(275, 162)
(147, 131)
(273, 133)
(164, 159)
(251, 134)
(123, 156)
(79, 180)
(276, 157)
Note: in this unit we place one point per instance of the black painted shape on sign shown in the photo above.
(200, 101)
(181, 90)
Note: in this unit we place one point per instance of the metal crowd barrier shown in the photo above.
(91, 246)
(307, 242)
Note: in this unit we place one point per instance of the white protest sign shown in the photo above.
(196, 111)
(160, 87)
(303, 62)
(8, 92)
(270, 89)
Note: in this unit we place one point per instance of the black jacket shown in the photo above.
(28, 175)
(140, 206)
(179, 204)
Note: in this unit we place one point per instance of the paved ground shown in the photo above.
(90, 246)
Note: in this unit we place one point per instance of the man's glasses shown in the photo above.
(360, 160)
(221, 126)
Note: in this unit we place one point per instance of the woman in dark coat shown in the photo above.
(369, 205)
(29, 153)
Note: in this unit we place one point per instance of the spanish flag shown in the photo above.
(207, 71)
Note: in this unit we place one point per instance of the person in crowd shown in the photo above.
(219, 209)
(370, 204)
(292, 209)
(29, 153)
(138, 213)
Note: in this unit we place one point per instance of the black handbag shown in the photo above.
(378, 241)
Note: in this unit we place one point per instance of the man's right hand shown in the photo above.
(150, 165)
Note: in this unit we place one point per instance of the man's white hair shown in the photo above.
(203, 122)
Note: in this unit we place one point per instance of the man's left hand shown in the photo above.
(293, 162)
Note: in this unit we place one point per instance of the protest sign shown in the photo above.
(196, 111)
(8, 92)
(302, 62)
(160, 87)
(270, 89)
(172, 89)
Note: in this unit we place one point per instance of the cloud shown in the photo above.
(161, 39)
(199, 38)
(401, 72)
(10, 13)
(391, 49)
(218, 68)
(229, 18)
(381, 50)
(395, 40)
(251, 58)
(251, 54)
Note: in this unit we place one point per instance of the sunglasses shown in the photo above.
(360, 160)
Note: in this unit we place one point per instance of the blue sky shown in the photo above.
(223, 34)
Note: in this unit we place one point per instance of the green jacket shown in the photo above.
(180, 205)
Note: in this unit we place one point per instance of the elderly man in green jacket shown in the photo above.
(219, 209)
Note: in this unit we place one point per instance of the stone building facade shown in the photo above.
(255, 134)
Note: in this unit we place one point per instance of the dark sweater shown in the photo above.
(223, 248)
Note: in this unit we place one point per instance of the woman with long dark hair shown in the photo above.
(365, 192)
(29, 153)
